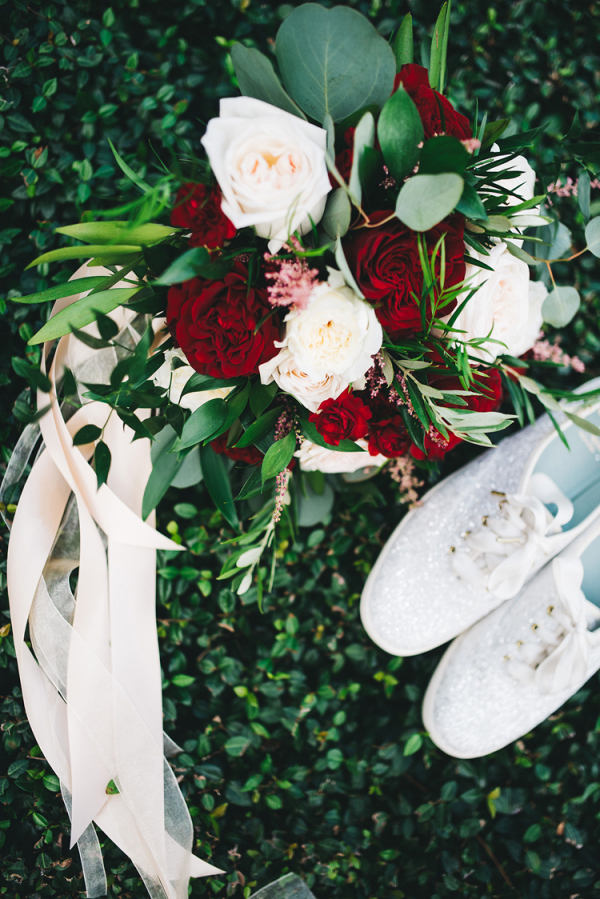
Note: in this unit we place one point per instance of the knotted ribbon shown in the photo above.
(92, 691)
(559, 659)
(505, 551)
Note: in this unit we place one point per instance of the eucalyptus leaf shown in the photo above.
(583, 194)
(342, 262)
(400, 131)
(560, 306)
(427, 199)
(83, 312)
(256, 77)
(337, 215)
(333, 61)
(364, 137)
(312, 506)
(592, 236)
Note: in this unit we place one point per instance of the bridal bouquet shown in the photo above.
(342, 286)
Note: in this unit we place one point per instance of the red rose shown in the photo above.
(385, 262)
(249, 454)
(214, 323)
(198, 209)
(344, 418)
(415, 81)
(489, 400)
(387, 434)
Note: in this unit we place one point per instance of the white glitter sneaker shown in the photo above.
(481, 533)
(513, 669)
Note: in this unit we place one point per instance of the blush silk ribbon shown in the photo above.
(92, 691)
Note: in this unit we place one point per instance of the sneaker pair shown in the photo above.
(505, 553)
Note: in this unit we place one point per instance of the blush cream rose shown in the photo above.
(270, 166)
(335, 335)
(507, 303)
(317, 458)
(284, 370)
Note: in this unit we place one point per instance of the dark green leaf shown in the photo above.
(443, 154)
(36, 378)
(87, 434)
(101, 462)
(309, 430)
(400, 131)
(278, 456)
(403, 43)
(471, 204)
(259, 428)
(67, 289)
(203, 423)
(218, 485)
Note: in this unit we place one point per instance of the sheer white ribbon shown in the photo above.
(92, 692)
(504, 551)
(558, 659)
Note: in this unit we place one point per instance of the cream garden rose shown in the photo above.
(270, 166)
(173, 377)
(334, 336)
(284, 370)
(317, 458)
(507, 303)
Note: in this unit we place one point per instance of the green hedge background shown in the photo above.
(303, 743)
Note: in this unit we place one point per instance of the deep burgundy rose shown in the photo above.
(387, 434)
(388, 437)
(198, 209)
(345, 418)
(415, 81)
(489, 382)
(385, 262)
(249, 454)
(214, 322)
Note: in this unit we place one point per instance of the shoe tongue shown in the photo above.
(549, 493)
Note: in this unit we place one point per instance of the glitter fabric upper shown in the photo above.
(474, 706)
(413, 601)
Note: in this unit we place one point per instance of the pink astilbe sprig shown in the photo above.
(375, 380)
(569, 188)
(471, 144)
(402, 470)
(293, 280)
(544, 351)
(286, 423)
(281, 486)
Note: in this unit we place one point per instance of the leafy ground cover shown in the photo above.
(303, 743)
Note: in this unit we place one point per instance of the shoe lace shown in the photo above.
(499, 555)
(557, 659)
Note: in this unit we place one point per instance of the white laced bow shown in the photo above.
(557, 658)
(501, 554)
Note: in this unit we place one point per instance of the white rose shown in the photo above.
(283, 369)
(174, 379)
(316, 458)
(270, 166)
(523, 186)
(336, 333)
(506, 303)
